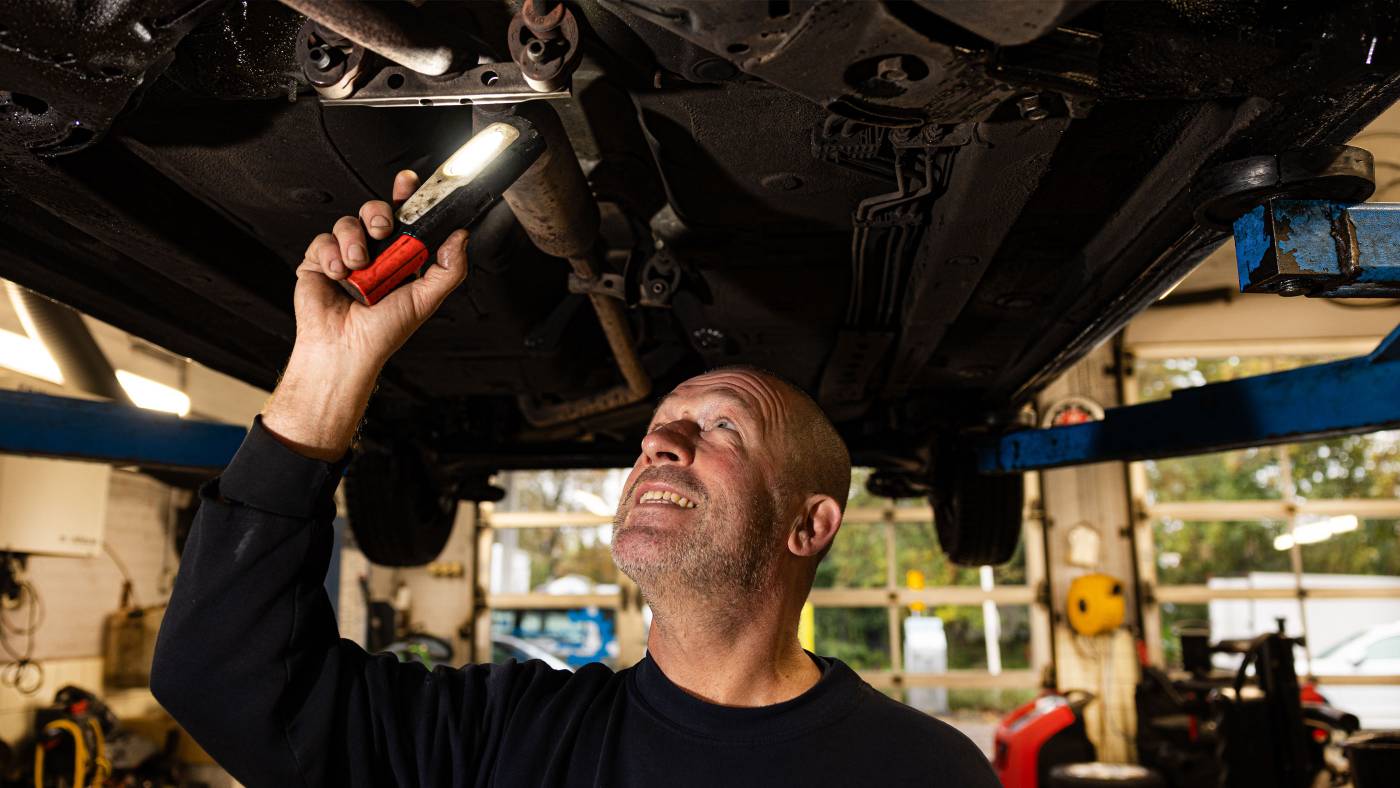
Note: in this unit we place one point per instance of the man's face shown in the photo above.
(701, 508)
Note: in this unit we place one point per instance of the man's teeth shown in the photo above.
(668, 497)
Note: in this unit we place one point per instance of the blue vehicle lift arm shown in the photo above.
(1355, 395)
(75, 429)
(1289, 247)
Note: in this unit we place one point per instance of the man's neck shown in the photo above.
(738, 657)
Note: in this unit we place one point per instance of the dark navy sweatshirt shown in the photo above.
(250, 663)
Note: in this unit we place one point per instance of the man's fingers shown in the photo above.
(354, 249)
(405, 184)
(442, 277)
(325, 252)
(378, 218)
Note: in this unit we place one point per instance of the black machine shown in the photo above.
(1253, 727)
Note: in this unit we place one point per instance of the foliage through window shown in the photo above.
(1223, 552)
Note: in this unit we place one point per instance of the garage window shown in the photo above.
(1308, 533)
(948, 639)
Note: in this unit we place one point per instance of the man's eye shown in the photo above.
(723, 424)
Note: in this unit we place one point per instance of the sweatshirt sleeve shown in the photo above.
(249, 660)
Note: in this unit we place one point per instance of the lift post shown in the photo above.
(1288, 247)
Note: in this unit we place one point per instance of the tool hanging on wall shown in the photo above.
(456, 195)
(1095, 604)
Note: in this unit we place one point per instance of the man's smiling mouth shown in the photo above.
(664, 497)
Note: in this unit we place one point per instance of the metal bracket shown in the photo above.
(660, 279)
(1320, 248)
(610, 285)
(492, 83)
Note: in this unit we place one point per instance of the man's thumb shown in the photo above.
(443, 276)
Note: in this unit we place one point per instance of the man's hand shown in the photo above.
(341, 344)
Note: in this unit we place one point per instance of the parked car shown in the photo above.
(504, 647)
(1374, 651)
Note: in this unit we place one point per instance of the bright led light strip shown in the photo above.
(480, 150)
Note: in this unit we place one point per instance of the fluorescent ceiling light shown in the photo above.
(147, 393)
(24, 355)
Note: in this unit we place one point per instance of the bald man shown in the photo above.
(736, 496)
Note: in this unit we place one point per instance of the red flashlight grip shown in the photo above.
(399, 261)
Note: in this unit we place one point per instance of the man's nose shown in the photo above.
(672, 443)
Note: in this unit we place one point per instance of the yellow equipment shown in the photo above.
(95, 763)
(1095, 604)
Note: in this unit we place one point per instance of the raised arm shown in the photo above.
(249, 659)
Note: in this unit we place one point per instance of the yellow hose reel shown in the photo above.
(1095, 604)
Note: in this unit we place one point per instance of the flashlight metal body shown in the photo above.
(441, 205)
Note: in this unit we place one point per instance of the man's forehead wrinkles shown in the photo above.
(741, 392)
(744, 390)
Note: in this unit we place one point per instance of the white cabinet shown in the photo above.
(52, 507)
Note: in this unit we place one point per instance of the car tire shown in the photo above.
(399, 513)
(977, 517)
(1104, 775)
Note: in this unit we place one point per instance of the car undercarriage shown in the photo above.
(920, 212)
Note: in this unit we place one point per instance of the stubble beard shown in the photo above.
(702, 563)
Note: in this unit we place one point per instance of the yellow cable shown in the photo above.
(104, 766)
(79, 753)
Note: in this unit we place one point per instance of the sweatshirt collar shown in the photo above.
(830, 699)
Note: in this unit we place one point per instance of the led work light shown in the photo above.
(456, 195)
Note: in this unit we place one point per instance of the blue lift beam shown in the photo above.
(1289, 247)
(75, 429)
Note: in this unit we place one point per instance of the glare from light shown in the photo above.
(149, 394)
(1319, 531)
(1344, 523)
(480, 150)
(590, 501)
(27, 356)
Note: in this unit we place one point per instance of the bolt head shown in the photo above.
(891, 69)
(1031, 109)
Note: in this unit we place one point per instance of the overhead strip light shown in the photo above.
(149, 394)
(28, 357)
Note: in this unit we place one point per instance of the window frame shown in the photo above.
(1290, 507)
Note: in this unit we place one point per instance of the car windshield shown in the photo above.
(1339, 646)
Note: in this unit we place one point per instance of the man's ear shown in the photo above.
(819, 522)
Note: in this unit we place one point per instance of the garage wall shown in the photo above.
(78, 593)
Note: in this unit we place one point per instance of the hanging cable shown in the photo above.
(128, 585)
(21, 671)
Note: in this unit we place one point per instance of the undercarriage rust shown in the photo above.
(397, 37)
(556, 208)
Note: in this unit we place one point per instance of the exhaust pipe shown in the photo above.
(557, 210)
(376, 27)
